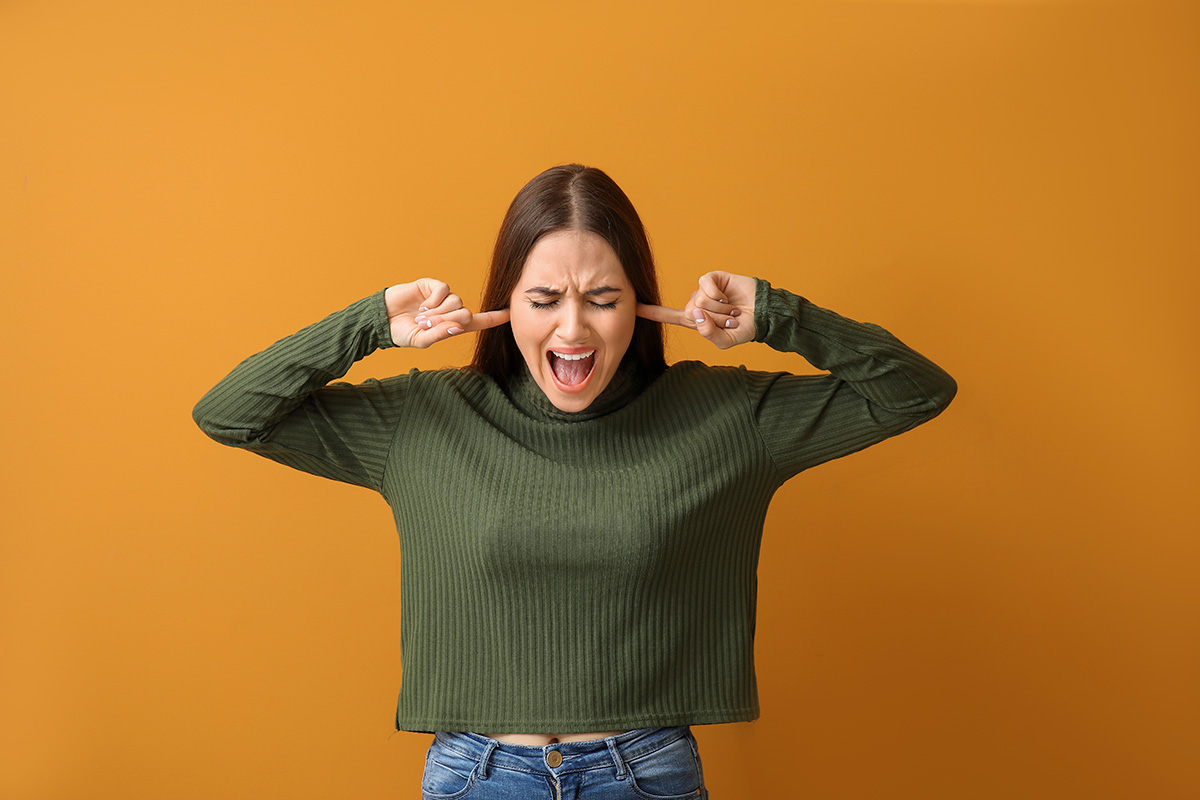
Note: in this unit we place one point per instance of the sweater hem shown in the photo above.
(434, 724)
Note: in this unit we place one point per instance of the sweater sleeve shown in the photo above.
(877, 387)
(276, 403)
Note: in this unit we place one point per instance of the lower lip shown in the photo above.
(574, 388)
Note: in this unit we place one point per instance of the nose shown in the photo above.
(572, 325)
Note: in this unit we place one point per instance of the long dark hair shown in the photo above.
(569, 197)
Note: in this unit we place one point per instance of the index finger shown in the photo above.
(487, 319)
(671, 316)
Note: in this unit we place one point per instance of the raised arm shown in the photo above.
(877, 386)
(276, 403)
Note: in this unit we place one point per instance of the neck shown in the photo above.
(523, 390)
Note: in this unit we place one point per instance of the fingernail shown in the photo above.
(426, 324)
(722, 300)
(422, 308)
(735, 312)
(731, 323)
(419, 318)
(699, 319)
(454, 330)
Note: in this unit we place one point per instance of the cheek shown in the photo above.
(621, 331)
(525, 331)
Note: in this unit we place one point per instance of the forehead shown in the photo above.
(571, 259)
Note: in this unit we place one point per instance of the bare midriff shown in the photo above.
(543, 739)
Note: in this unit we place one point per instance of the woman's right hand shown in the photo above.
(426, 311)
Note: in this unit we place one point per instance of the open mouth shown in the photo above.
(571, 370)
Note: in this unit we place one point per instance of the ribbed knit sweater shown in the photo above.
(574, 572)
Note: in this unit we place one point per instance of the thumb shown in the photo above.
(423, 338)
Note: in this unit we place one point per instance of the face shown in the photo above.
(572, 315)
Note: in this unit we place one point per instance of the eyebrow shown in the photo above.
(546, 290)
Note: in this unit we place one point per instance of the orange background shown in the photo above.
(1001, 604)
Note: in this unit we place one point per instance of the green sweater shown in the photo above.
(574, 572)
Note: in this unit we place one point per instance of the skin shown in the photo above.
(573, 298)
(425, 312)
(574, 316)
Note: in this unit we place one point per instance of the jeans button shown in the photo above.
(554, 759)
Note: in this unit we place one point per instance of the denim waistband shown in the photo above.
(610, 752)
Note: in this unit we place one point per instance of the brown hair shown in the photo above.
(569, 197)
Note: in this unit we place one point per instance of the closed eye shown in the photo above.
(605, 306)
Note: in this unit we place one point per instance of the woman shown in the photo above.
(579, 524)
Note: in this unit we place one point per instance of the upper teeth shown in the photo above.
(575, 357)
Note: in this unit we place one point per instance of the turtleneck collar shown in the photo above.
(527, 396)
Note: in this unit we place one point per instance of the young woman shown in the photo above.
(579, 523)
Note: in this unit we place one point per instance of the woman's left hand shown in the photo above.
(721, 309)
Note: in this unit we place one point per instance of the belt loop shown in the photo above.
(486, 759)
(611, 741)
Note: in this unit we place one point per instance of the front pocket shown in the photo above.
(670, 773)
(448, 775)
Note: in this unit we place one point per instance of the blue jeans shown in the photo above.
(646, 764)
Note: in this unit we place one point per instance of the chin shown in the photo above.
(569, 401)
(572, 403)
